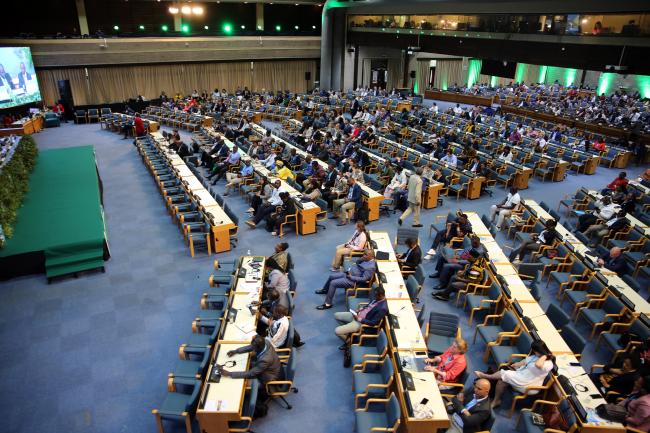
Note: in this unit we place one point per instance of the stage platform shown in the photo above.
(60, 227)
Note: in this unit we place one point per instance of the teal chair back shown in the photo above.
(288, 344)
(382, 341)
(393, 412)
(419, 275)
(412, 287)
(509, 322)
(523, 342)
(387, 370)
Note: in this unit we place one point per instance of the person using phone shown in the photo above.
(265, 365)
(369, 314)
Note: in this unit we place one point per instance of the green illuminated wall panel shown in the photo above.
(473, 71)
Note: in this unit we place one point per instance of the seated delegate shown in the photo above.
(471, 409)
(530, 371)
(265, 365)
(450, 365)
(371, 314)
(356, 243)
(361, 272)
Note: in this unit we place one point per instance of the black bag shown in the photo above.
(363, 214)
(401, 202)
(612, 412)
(347, 357)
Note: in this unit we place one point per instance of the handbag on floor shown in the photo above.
(347, 356)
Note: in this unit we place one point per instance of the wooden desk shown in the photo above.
(408, 339)
(460, 98)
(404, 104)
(382, 239)
(560, 171)
(425, 387)
(520, 293)
(221, 402)
(408, 336)
(220, 222)
(531, 310)
(372, 197)
(28, 126)
(522, 177)
(307, 212)
(550, 336)
(431, 195)
(641, 305)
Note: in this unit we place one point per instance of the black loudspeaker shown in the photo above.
(65, 94)
(307, 76)
(412, 74)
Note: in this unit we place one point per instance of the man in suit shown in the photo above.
(343, 206)
(472, 409)
(265, 364)
(412, 257)
(367, 314)
(414, 198)
(614, 261)
(5, 78)
(23, 77)
(361, 272)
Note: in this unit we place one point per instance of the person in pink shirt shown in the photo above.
(638, 405)
(450, 365)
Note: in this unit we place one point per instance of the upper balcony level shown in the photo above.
(603, 29)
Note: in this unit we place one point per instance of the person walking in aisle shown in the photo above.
(414, 198)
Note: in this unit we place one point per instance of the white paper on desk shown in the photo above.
(572, 371)
(210, 406)
(247, 328)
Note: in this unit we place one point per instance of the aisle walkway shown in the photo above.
(92, 354)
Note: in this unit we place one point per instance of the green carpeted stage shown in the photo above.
(60, 227)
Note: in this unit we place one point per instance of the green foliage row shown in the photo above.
(14, 183)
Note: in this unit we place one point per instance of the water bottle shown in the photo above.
(248, 252)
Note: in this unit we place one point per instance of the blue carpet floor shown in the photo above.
(92, 354)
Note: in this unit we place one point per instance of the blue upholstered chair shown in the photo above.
(440, 332)
(372, 379)
(248, 410)
(193, 362)
(378, 415)
(282, 387)
(503, 354)
(566, 411)
(180, 403)
(369, 347)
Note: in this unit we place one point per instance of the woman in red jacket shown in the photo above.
(451, 364)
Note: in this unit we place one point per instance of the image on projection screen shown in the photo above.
(18, 83)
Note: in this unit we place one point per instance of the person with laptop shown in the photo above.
(450, 365)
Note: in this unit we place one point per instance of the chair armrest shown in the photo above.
(490, 317)
(372, 400)
(277, 382)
